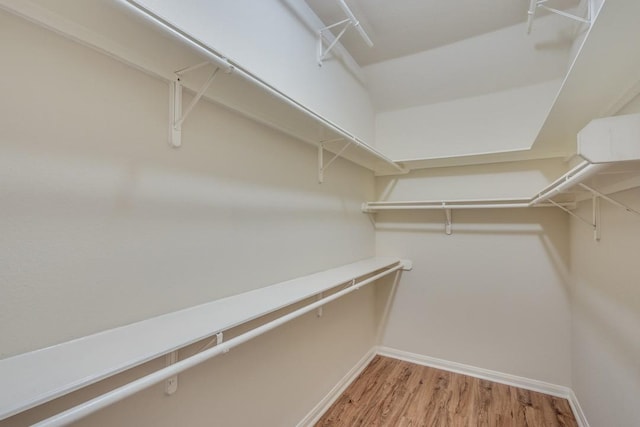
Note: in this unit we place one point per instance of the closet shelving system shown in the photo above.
(168, 53)
(603, 78)
(610, 148)
(40, 376)
(164, 51)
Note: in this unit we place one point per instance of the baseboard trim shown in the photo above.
(316, 413)
(513, 380)
(486, 374)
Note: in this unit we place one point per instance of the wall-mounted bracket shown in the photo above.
(321, 166)
(535, 4)
(176, 116)
(447, 221)
(171, 384)
(610, 200)
(573, 214)
(320, 310)
(349, 22)
(596, 217)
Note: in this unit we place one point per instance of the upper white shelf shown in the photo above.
(610, 148)
(161, 50)
(603, 78)
(39, 376)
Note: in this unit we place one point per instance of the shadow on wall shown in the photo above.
(551, 228)
(606, 291)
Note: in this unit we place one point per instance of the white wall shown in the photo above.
(104, 224)
(606, 311)
(276, 40)
(494, 294)
(606, 307)
(500, 121)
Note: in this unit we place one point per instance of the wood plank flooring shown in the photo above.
(391, 392)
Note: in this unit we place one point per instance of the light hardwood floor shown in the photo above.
(391, 392)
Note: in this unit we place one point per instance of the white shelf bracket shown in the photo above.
(177, 117)
(323, 167)
(320, 310)
(350, 21)
(322, 53)
(596, 217)
(573, 214)
(447, 220)
(171, 384)
(535, 4)
(610, 200)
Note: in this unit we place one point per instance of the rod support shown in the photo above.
(171, 384)
(176, 115)
(447, 220)
(350, 22)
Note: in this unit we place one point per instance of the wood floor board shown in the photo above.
(396, 393)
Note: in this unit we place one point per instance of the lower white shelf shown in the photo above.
(33, 378)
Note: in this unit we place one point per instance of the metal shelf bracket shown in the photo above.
(320, 310)
(535, 4)
(321, 166)
(595, 200)
(447, 221)
(349, 22)
(177, 117)
(171, 384)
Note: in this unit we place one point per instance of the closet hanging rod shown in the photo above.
(231, 67)
(80, 411)
(356, 23)
(570, 179)
(450, 201)
(444, 206)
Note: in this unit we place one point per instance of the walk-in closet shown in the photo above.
(319, 213)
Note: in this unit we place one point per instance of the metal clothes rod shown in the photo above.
(454, 206)
(570, 179)
(80, 411)
(355, 22)
(448, 202)
(229, 67)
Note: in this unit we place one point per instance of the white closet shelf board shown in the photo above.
(604, 77)
(39, 376)
(110, 27)
(611, 153)
(479, 159)
(606, 178)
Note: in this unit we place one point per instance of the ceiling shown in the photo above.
(401, 28)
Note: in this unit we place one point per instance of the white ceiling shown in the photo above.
(403, 27)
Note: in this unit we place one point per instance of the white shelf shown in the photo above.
(39, 376)
(604, 76)
(159, 51)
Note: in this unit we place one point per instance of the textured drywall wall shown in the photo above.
(104, 224)
(494, 294)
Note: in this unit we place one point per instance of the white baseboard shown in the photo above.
(498, 377)
(513, 380)
(316, 413)
(485, 374)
